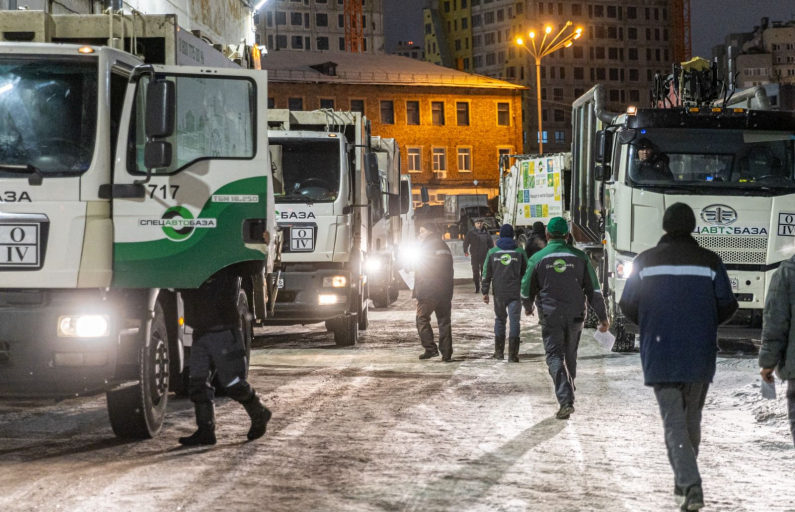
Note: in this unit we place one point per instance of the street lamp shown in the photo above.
(539, 51)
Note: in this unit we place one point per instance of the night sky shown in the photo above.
(712, 20)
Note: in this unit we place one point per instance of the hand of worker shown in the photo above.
(466, 254)
(767, 375)
(528, 312)
(604, 326)
(485, 299)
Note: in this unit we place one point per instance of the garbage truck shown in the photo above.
(735, 167)
(330, 201)
(123, 182)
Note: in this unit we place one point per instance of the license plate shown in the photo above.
(302, 239)
(19, 245)
(281, 284)
(735, 281)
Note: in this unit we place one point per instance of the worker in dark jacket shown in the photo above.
(505, 265)
(212, 312)
(476, 245)
(560, 278)
(778, 333)
(678, 294)
(537, 240)
(433, 289)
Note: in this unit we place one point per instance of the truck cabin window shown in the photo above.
(306, 170)
(48, 114)
(713, 158)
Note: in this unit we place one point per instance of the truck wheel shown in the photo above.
(394, 289)
(138, 411)
(364, 317)
(625, 342)
(246, 325)
(381, 299)
(346, 331)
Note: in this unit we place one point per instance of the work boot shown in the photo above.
(694, 499)
(429, 354)
(513, 350)
(499, 347)
(205, 420)
(679, 495)
(565, 411)
(259, 414)
(477, 287)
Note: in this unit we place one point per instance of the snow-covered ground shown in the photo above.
(373, 428)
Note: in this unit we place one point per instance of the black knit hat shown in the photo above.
(679, 219)
(539, 228)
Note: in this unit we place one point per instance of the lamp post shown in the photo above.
(539, 52)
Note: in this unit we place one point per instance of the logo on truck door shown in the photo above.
(719, 215)
(178, 223)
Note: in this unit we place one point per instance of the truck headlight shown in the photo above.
(84, 326)
(335, 282)
(372, 265)
(327, 300)
(624, 269)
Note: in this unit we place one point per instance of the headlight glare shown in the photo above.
(326, 300)
(624, 269)
(84, 326)
(372, 265)
(335, 282)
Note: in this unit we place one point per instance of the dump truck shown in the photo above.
(330, 198)
(123, 182)
(735, 167)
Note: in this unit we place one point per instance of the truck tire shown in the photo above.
(394, 289)
(625, 342)
(246, 325)
(363, 316)
(138, 411)
(346, 331)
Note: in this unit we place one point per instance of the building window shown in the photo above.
(440, 162)
(413, 113)
(462, 113)
(321, 19)
(296, 19)
(327, 103)
(271, 103)
(437, 113)
(357, 106)
(298, 42)
(559, 116)
(415, 159)
(560, 137)
(503, 114)
(322, 43)
(464, 159)
(544, 136)
(295, 104)
(281, 18)
(387, 112)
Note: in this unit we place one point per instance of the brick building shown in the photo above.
(452, 126)
(624, 43)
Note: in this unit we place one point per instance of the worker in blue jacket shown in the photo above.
(678, 294)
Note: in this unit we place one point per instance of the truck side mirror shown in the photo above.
(600, 148)
(405, 197)
(424, 193)
(372, 174)
(373, 192)
(600, 172)
(157, 155)
(160, 109)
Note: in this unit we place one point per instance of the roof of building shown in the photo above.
(358, 68)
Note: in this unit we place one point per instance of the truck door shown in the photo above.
(206, 210)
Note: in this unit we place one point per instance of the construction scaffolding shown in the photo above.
(354, 27)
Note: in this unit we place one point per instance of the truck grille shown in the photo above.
(736, 249)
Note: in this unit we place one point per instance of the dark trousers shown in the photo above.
(680, 407)
(222, 352)
(477, 271)
(791, 403)
(442, 308)
(561, 338)
(505, 310)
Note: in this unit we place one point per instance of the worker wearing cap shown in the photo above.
(650, 164)
(559, 279)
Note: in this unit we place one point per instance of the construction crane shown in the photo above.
(354, 26)
(683, 45)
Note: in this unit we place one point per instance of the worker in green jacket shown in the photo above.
(777, 354)
(559, 279)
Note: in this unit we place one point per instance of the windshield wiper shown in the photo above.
(34, 180)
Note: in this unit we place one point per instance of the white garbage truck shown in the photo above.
(330, 201)
(120, 183)
(735, 167)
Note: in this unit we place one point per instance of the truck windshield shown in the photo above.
(48, 114)
(721, 159)
(305, 170)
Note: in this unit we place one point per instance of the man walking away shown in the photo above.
(678, 294)
(433, 289)
(218, 345)
(476, 245)
(560, 278)
(778, 334)
(505, 265)
(537, 240)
